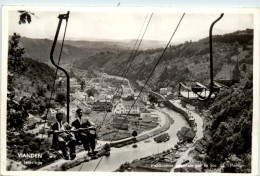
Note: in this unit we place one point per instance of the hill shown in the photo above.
(73, 51)
(229, 128)
(27, 102)
(39, 49)
(114, 45)
(184, 62)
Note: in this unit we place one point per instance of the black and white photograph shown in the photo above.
(129, 90)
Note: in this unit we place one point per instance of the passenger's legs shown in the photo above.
(92, 142)
(62, 146)
(72, 146)
(85, 141)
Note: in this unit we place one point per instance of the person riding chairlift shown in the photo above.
(86, 134)
(62, 138)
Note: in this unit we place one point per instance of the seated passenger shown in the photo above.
(63, 138)
(86, 134)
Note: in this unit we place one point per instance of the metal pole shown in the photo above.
(211, 61)
(61, 17)
(211, 52)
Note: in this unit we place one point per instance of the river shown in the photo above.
(124, 154)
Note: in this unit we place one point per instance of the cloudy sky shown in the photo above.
(126, 25)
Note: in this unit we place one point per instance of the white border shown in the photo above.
(256, 54)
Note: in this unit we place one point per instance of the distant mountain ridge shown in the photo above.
(188, 61)
(115, 45)
(39, 49)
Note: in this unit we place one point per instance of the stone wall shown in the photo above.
(168, 104)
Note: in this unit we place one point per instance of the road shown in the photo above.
(199, 134)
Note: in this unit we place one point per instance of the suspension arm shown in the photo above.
(212, 90)
(61, 17)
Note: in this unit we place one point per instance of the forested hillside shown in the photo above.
(35, 83)
(231, 127)
(184, 62)
(39, 49)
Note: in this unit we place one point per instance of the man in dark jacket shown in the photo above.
(63, 138)
(86, 134)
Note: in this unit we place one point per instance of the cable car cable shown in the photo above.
(144, 84)
(127, 68)
(124, 73)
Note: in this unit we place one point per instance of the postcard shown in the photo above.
(105, 90)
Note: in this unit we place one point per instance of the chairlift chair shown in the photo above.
(199, 90)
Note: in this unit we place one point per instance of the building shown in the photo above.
(169, 89)
(126, 91)
(123, 107)
(143, 97)
(120, 122)
(154, 117)
(104, 97)
(73, 81)
(146, 115)
(102, 105)
(165, 91)
(74, 88)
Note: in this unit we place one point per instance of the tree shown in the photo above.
(72, 74)
(60, 97)
(134, 134)
(15, 53)
(41, 91)
(236, 72)
(16, 120)
(26, 103)
(91, 92)
(152, 98)
(244, 67)
(82, 85)
(164, 74)
(25, 16)
(48, 87)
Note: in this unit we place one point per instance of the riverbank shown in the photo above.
(161, 162)
(175, 158)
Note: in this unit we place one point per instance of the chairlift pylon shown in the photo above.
(201, 92)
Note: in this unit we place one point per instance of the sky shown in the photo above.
(120, 25)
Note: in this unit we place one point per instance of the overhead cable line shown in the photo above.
(144, 85)
(125, 73)
(127, 68)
